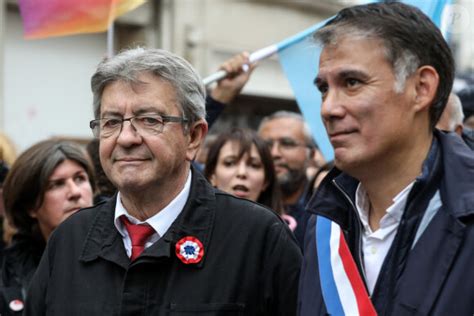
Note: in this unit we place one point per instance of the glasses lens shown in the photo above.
(148, 125)
(287, 143)
(109, 126)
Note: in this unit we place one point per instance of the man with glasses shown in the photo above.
(289, 139)
(168, 243)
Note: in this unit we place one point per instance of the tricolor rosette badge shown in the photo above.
(189, 250)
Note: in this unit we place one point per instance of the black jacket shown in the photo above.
(18, 264)
(429, 268)
(250, 266)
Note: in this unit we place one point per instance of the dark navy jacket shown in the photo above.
(429, 269)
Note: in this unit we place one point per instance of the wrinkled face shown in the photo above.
(244, 177)
(366, 120)
(68, 190)
(135, 162)
(288, 148)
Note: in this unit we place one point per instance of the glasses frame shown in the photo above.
(280, 142)
(96, 131)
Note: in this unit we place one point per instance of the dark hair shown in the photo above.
(27, 180)
(271, 196)
(466, 96)
(410, 39)
(3, 172)
(105, 188)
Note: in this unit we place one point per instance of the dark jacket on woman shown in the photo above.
(429, 267)
(18, 264)
(250, 265)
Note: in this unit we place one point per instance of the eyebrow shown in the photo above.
(353, 73)
(148, 110)
(343, 74)
(77, 173)
(143, 110)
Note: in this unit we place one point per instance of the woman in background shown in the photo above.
(7, 157)
(47, 183)
(240, 163)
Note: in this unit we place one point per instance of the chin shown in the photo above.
(131, 185)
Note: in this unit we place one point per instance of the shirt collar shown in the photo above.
(162, 220)
(394, 211)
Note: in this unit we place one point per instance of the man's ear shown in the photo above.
(196, 134)
(426, 85)
(459, 129)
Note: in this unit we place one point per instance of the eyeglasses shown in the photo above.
(284, 143)
(145, 125)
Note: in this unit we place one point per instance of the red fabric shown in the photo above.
(364, 303)
(139, 234)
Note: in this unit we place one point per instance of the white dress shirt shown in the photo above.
(160, 222)
(376, 244)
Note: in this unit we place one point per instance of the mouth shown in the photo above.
(240, 190)
(341, 132)
(130, 160)
(281, 168)
(339, 135)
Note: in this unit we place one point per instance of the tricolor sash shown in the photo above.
(343, 290)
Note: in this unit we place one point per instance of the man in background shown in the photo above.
(289, 139)
(452, 118)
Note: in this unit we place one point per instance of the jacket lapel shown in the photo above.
(428, 265)
(103, 240)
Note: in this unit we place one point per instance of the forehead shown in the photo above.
(148, 91)
(233, 147)
(353, 54)
(65, 167)
(283, 127)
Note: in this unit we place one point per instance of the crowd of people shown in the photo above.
(156, 217)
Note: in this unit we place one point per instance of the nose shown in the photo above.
(128, 135)
(242, 169)
(75, 192)
(275, 150)
(332, 105)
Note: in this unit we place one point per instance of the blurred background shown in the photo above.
(45, 83)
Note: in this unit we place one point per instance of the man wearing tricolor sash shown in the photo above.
(392, 225)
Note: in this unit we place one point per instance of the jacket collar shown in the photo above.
(196, 220)
(458, 182)
(335, 197)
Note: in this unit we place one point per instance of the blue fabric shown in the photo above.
(300, 64)
(326, 274)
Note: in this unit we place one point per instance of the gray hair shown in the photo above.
(454, 107)
(293, 115)
(171, 68)
(409, 38)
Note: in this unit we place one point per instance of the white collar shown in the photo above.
(162, 220)
(393, 213)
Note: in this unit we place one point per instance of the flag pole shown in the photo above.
(254, 57)
(110, 39)
(266, 52)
